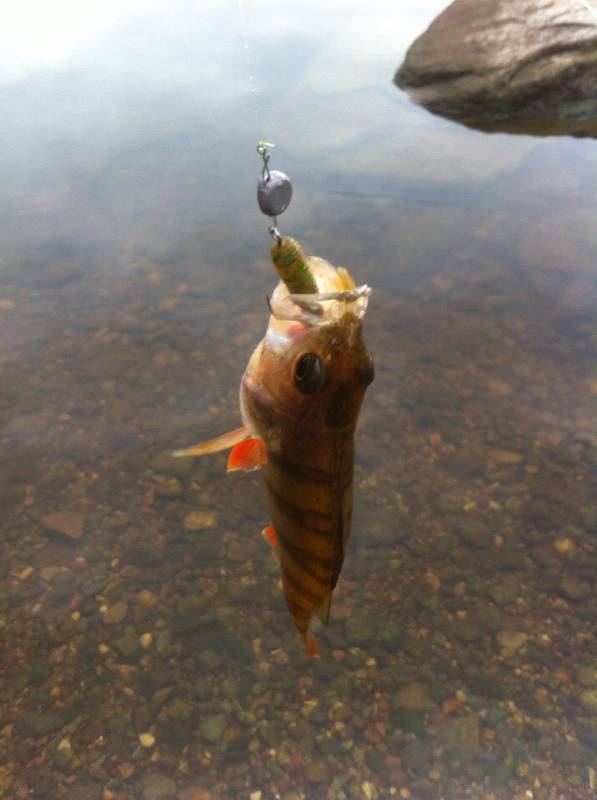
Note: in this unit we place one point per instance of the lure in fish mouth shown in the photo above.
(300, 398)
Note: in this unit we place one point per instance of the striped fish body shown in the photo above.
(300, 397)
(311, 509)
(308, 433)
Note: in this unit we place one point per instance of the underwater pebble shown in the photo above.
(587, 675)
(588, 700)
(200, 520)
(38, 723)
(212, 727)
(146, 640)
(155, 786)
(564, 545)
(574, 589)
(126, 770)
(195, 793)
(25, 573)
(168, 489)
(66, 523)
(146, 598)
(166, 358)
(460, 736)
(505, 456)
(115, 613)
(511, 641)
(414, 696)
(49, 573)
(317, 772)
(147, 739)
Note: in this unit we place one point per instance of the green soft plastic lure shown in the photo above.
(291, 265)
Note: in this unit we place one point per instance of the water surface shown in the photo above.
(146, 650)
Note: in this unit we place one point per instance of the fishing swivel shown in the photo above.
(274, 190)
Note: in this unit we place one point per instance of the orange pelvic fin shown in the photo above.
(223, 442)
(248, 454)
(269, 533)
(311, 645)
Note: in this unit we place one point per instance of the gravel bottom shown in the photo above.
(146, 650)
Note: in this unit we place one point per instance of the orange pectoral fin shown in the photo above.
(248, 454)
(223, 442)
(269, 533)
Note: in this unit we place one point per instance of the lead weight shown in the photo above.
(274, 192)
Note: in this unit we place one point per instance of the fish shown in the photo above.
(300, 397)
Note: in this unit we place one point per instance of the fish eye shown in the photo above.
(309, 373)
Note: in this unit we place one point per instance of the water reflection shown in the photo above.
(147, 652)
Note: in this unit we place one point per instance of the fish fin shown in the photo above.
(215, 445)
(311, 645)
(248, 454)
(344, 280)
(323, 612)
(269, 533)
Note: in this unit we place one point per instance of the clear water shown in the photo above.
(152, 656)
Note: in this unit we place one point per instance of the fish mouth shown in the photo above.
(321, 308)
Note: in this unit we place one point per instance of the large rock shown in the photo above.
(527, 66)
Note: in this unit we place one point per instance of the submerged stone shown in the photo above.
(414, 696)
(212, 727)
(154, 786)
(38, 723)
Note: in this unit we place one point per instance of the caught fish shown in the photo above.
(300, 397)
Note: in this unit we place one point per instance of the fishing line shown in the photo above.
(251, 79)
(274, 189)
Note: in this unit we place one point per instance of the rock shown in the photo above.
(180, 709)
(574, 589)
(317, 772)
(359, 628)
(85, 791)
(210, 659)
(126, 770)
(212, 727)
(38, 723)
(168, 489)
(466, 631)
(49, 573)
(496, 65)
(195, 793)
(128, 644)
(416, 756)
(587, 675)
(570, 753)
(115, 613)
(65, 523)
(414, 696)
(501, 456)
(200, 521)
(588, 700)
(461, 737)
(154, 786)
(511, 641)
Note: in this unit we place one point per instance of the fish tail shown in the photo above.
(291, 265)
